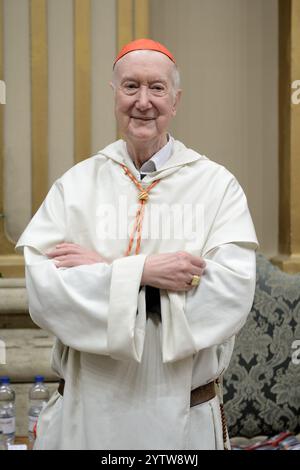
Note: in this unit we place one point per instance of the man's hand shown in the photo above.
(68, 255)
(172, 271)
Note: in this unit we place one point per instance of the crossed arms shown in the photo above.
(170, 271)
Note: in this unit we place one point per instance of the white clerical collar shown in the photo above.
(159, 158)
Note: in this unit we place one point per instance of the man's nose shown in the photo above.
(143, 99)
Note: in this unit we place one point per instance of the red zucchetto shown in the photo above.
(144, 44)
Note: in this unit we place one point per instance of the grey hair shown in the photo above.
(175, 78)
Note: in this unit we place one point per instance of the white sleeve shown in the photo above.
(215, 310)
(93, 308)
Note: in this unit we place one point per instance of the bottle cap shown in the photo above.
(39, 378)
(4, 379)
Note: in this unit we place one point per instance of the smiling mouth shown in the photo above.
(143, 118)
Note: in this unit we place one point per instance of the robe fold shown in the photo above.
(129, 374)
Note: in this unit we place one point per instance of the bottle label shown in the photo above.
(8, 425)
(31, 422)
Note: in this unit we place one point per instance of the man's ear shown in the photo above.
(176, 101)
(112, 86)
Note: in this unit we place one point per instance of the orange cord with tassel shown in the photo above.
(138, 223)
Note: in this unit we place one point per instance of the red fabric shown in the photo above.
(144, 44)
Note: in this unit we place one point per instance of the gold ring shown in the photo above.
(195, 280)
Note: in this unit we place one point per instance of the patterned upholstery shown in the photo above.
(262, 384)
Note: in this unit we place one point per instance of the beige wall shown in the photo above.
(61, 87)
(104, 46)
(61, 80)
(17, 113)
(17, 129)
(227, 54)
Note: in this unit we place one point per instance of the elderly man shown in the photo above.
(114, 259)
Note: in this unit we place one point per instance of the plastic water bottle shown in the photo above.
(38, 397)
(7, 411)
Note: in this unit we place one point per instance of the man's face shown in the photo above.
(145, 100)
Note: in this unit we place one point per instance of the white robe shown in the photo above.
(129, 376)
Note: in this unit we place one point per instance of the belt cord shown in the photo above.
(222, 411)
